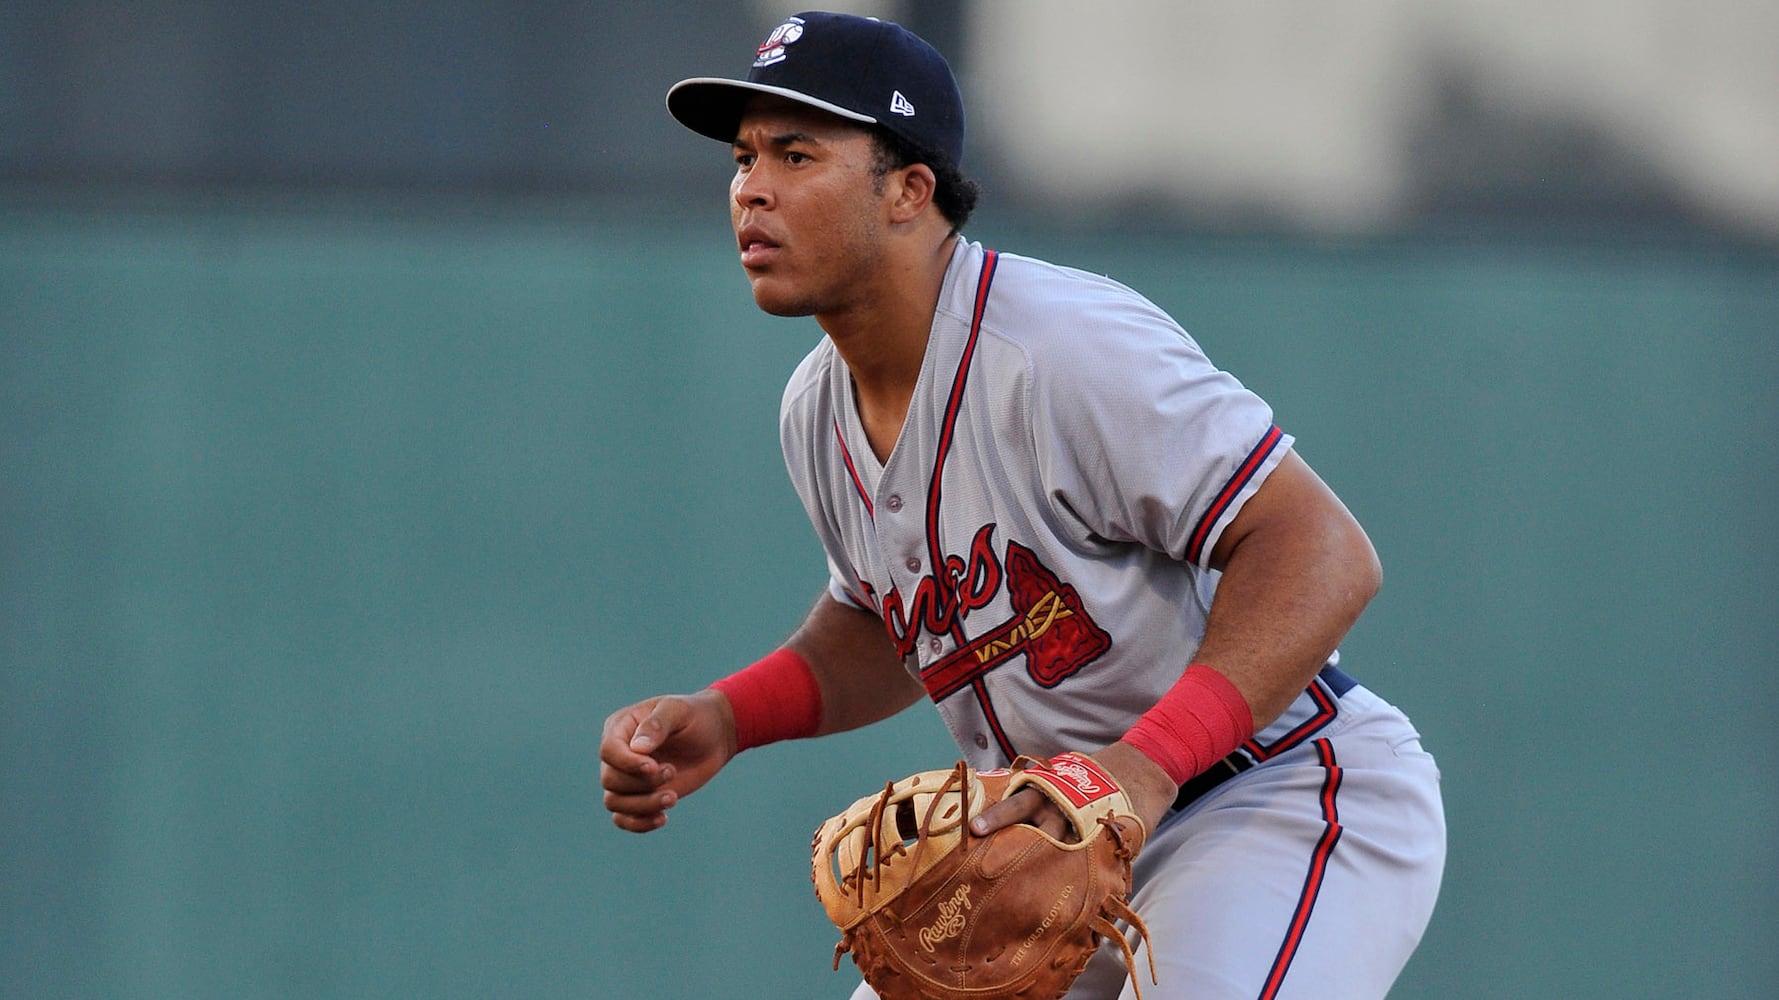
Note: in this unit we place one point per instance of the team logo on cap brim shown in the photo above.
(772, 49)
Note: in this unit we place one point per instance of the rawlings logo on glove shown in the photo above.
(930, 911)
(951, 919)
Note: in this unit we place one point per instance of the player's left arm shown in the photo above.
(1297, 570)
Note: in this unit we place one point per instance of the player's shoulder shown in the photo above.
(1063, 329)
(809, 383)
(1047, 306)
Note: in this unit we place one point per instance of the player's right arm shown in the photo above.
(862, 679)
(657, 751)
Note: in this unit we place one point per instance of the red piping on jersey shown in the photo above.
(1312, 883)
(994, 721)
(935, 552)
(1231, 490)
(853, 471)
(945, 586)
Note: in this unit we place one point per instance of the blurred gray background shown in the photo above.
(381, 406)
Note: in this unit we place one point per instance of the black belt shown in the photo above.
(1237, 762)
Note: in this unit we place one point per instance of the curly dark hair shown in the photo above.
(954, 194)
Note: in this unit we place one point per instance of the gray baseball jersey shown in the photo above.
(1037, 542)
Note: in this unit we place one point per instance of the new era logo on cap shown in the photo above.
(899, 105)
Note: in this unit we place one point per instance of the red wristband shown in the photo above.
(774, 699)
(1201, 720)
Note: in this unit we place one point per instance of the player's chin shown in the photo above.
(779, 298)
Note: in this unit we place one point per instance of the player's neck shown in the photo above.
(884, 359)
(881, 330)
(884, 341)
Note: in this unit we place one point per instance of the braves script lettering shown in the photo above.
(943, 600)
(950, 922)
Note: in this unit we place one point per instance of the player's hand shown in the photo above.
(658, 751)
(1150, 790)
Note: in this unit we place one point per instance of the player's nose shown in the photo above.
(751, 189)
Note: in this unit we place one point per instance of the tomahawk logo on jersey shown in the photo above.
(1048, 626)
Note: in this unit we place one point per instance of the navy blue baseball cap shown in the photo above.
(862, 69)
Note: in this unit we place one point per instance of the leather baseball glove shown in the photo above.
(931, 911)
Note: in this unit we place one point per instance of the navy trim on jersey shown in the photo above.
(1232, 489)
(1327, 708)
(1318, 871)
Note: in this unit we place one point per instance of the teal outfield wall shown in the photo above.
(328, 539)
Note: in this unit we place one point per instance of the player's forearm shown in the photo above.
(862, 680)
(1290, 590)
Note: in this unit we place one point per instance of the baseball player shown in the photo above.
(1045, 511)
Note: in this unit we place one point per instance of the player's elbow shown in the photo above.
(1365, 571)
(1374, 576)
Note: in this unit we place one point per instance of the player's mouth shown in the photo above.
(757, 250)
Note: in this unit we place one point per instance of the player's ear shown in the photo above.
(914, 192)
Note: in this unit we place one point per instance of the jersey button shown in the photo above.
(894, 503)
(913, 564)
(981, 742)
(935, 644)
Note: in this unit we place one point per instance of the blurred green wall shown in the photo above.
(328, 539)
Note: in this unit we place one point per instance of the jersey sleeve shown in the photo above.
(1140, 438)
(842, 593)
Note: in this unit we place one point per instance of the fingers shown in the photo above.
(640, 813)
(633, 779)
(634, 791)
(667, 716)
(637, 802)
(1024, 806)
(633, 733)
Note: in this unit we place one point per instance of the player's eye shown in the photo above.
(794, 157)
